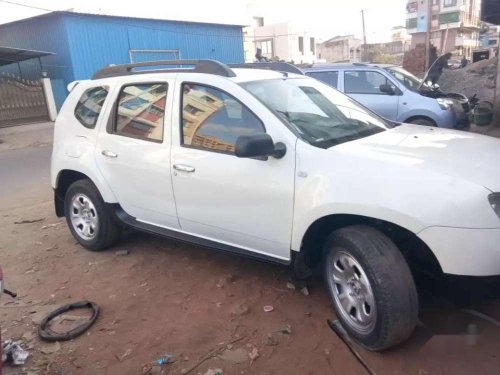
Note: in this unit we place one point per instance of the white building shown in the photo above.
(345, 48)
(281, 41)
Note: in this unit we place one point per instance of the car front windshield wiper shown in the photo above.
(327, 143)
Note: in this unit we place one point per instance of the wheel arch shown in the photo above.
(423, 117)
(416, 252)
(66, 177)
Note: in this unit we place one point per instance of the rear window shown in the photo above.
(89, 106)
(330, 78)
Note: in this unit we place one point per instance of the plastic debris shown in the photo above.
(268, 308)
(12, 352)
(290, 285)
(254, 354)
(305, 291)
(167, 358)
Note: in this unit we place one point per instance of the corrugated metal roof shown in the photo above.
(83, 14)
(9, 55)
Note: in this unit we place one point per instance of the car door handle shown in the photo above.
(109, 154)
(184, 168)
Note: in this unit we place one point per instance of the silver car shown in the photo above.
(395, 94)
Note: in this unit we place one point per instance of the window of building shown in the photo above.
(312, 45)
(412, 7)
(219, 120)
(364, 82)
(259, 21)
(89, 106)
(449, 3)
(330, 78)
(301, 44)
(141, 111)
(435, 2)
(266, 46)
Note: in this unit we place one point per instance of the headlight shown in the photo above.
(445, 103)
(495, 203)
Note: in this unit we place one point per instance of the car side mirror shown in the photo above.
(258, 145)
(387, 89)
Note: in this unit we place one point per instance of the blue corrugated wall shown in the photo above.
(86, 43)
(43, 34)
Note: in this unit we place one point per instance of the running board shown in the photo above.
(131, 221)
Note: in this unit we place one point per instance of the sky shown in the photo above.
(325, 18)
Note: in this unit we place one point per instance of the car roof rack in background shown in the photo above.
(277, 66)
(200, 66)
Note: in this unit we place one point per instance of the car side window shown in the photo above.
(364, 82)
(213, 120)
(141, 111)
(89, 106)
(330, 78)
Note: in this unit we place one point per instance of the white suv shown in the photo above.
(280, 167)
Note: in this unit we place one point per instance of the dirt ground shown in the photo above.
(475, 79)
(169, 297)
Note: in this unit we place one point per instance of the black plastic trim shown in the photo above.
(149, 228)
(200, 66)
(58, 204)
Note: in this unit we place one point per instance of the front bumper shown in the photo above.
(454, 119)
(467, 252)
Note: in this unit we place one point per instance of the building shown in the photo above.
(282, 41)
(455, 24)
(83, 43)
(248, 35)
(345, 48)
(400, 34)
(489, 37)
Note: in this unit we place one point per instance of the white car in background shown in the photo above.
(280, 167)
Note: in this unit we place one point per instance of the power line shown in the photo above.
(75, 14)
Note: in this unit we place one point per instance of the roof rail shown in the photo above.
(200, 66)
(277, 66)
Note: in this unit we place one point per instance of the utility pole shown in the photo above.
(428, 36)
(364, 57)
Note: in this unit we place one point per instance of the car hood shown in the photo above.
(435, 67)
(463, 155)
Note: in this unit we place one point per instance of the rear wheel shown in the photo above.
(88, 218)
(371, 287)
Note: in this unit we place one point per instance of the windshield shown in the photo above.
(406, 78)
(317, 113)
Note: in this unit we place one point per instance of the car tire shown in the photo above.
(422, 121)
(371, 287)
(88, 218)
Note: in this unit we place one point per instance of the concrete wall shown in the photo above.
(285, 38)
(339, 50)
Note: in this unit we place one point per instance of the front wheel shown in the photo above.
(88, 218)
(371, 287)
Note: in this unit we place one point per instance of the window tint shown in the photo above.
(89, 106)
(330, 78)
(364, 82)
(141, 111)
(213, 119)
